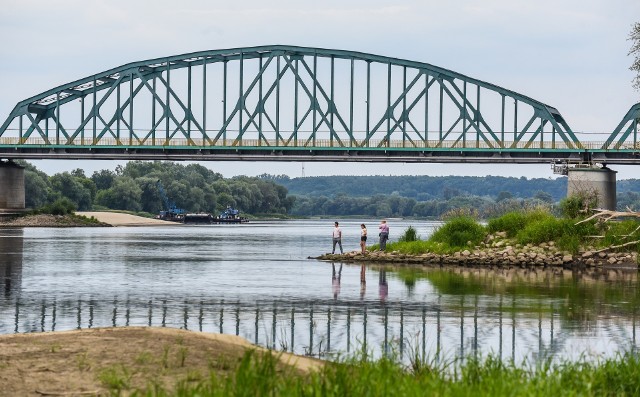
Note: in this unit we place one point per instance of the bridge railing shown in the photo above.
(372, 144)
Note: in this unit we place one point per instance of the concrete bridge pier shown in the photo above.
(12, 200)
(599, 182)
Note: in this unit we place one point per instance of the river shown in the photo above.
(254, 280)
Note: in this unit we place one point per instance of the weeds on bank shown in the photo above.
(264, 375)
(533, 226)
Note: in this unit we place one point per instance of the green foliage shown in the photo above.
(76, 187)
(538, 226)
(264, 375)
(133, 187)
(125, 194)
(545, 228)
(425, 188)
(417, 247)
(459, 232)
(116, 377)
(62, 206)
(511, 223)
(618, 233)
(410, 234)
(578, 205)
(565, 232)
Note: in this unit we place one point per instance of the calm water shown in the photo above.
(254, 280)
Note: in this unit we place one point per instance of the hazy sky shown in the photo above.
(571, 54)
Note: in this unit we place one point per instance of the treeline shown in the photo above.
(423, 188)
(398, 206)
(135, 187)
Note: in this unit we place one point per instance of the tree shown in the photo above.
(125, 194)
(73, 188)
(503, 195)
(103, 179)
(634, 37)
(543, 196)
(35, 189)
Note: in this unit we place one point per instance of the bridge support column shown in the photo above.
(599, 182)
(11, 189)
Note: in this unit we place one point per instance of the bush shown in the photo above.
(62, 206)
(617, 233)
(514, 222)
(457, 232)
(410, 234)
(545, 228)
(510, 223)
(564, 232)
(577, 205)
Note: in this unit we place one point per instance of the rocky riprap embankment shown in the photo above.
(497, 250)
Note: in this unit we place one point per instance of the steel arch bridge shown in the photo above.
(297, 104)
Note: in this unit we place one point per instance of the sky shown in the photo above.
(570, 54)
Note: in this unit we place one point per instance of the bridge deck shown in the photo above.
(317, 150)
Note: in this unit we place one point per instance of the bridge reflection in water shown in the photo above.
(325, 309)
(326, 328)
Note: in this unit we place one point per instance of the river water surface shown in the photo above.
(254, 280)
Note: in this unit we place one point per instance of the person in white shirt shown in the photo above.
(337, 238)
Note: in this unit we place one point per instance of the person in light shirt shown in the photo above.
(384, 235)
(337, 238)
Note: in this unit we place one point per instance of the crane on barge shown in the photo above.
(171, 211)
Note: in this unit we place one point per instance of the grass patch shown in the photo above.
(115, 378)
(459, 232)
(419, 247)
(260, 375)
(618, 233)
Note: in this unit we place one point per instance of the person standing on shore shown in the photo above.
(384, 235)
(337, 238)
(363, 239)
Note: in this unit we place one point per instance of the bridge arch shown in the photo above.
(287, 101)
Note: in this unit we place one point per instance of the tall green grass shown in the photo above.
(534, 226)
(459, 232)
(261, 375)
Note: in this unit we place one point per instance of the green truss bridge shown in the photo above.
(290, 103)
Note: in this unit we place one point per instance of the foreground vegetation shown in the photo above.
(528, 227)
(262, 375)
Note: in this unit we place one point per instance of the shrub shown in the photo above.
(514, 222)
(579, 204)
(545, 228)
(457, 232)
(410, 234)
(617, 233)
(510, 223)
(61, 206)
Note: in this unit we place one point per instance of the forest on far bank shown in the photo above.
(136, 187)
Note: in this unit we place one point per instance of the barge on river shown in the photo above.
(229, 215)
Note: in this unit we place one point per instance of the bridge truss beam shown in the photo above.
(286, 102)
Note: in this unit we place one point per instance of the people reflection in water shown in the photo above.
(383, 287)
(363, 281)
(335, 280)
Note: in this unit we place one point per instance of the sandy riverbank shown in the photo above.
(85, 362)
(120, 219)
